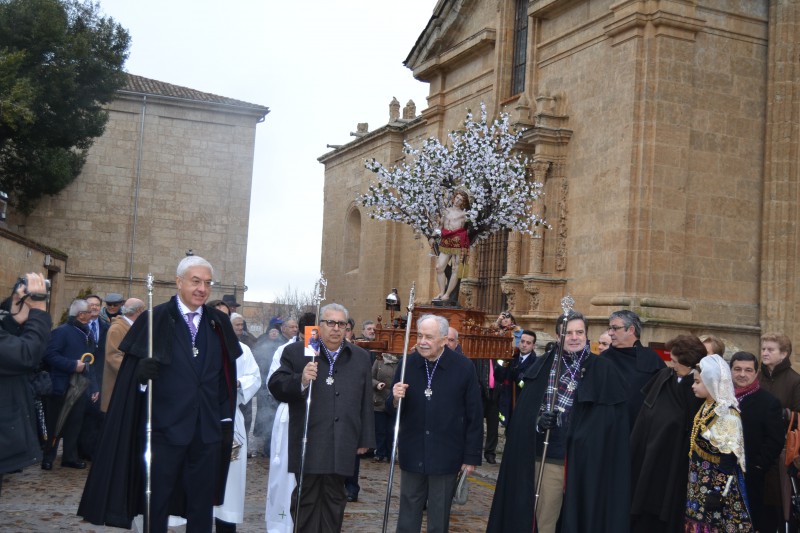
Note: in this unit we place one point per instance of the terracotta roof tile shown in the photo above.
(142, 85)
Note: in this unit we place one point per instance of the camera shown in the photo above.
(23, 282)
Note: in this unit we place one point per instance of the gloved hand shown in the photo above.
(547, 420)
(147, 369)
(713, 501)
(727, 464)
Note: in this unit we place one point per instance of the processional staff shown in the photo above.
(399, 407)
(320, 293)
(149, 427)
(567, 303)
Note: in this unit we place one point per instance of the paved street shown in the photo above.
(40, 501)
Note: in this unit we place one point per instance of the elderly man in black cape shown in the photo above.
(588, 438)
(193, 371)
(637, 363)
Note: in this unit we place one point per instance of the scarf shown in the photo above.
(744, 392)
(567, 384)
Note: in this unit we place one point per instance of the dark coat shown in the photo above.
(68, 342)
(439, 434)
(99, 352)
(637, 365)
(341, 419)
(114, 490)
(21, 350)
(597, 490)
(783, 383)
(764, 431)
(660, 453)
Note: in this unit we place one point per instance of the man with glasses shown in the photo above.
(67, 345)
(194, 396)
(635, 362)
(113, 308)
(340, 418)
(587, 427)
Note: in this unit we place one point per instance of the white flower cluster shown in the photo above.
(480, 161)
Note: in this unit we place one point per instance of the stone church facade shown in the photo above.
(665, 133)
(172, 172)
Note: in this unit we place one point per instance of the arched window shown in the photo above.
(352, 241)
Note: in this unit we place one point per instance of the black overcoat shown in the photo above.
(597, 488)
(341, 419)
(21, 350)
(114, 490)
(660, 453)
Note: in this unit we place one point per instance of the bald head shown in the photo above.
(452, 338)
(132, 308)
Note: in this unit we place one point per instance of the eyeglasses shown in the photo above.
(616, 328)
(334, 323)
(196, 282)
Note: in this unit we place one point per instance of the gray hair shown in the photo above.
(133, 308)
(454, 329)
(366, 323)
(78, 306)
(235, 316)
(192, 261)
(334, 307)
(629, 318)
(444, 325)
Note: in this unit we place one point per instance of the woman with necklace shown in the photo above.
(716, 499)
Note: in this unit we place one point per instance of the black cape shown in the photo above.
(597, 495)
(660, 454)
(637, 365)
(114, 490)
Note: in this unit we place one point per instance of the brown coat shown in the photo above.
(783, 383)
(382, 372)
(119, 328)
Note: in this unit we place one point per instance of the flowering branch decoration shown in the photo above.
(480, 161)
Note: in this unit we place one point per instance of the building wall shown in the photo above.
(645, 121)
(168, 175)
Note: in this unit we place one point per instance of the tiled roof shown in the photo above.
(141, 85)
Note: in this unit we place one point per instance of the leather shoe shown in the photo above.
(490, 459)
(80, 465)
(47, 465)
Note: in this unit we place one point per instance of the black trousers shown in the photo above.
(195, 467)
(69, 433)
(491, 412)
(321, 504)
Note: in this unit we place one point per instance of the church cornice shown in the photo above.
(463, 51)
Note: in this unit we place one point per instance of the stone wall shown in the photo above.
(167, 176)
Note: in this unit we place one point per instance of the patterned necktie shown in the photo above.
(190, 321)
(93, 325)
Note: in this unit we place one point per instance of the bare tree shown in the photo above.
(292, 303)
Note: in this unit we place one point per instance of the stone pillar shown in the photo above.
(779, 299)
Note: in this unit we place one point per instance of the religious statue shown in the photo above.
(453, 245)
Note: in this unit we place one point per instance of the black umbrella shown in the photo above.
(78, 383)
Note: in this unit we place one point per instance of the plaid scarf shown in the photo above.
(572, 363)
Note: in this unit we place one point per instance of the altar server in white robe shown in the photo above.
(249, 381)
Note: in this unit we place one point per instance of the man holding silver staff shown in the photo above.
(340, 419)
(194, 395)
(588, 431)
(441, 426)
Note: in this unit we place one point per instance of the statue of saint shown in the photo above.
(453, 246)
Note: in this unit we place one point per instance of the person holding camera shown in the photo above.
(24, 333)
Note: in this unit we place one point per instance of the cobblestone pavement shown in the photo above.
(39, 501)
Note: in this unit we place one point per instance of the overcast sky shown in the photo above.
(321, 66)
